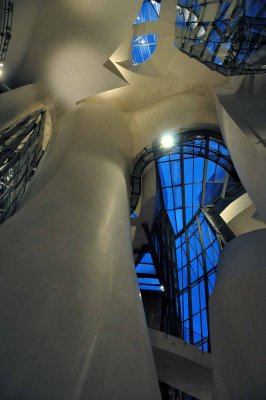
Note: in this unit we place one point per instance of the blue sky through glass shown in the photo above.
(143, 48)
(149, 11)
(145, 266)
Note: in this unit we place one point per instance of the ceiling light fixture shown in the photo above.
(167, 141)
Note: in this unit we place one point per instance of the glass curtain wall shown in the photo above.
(228, 36)
(195, 176)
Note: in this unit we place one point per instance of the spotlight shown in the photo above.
(162, 288)
(167, 141)
(1, 64)
(142, 41)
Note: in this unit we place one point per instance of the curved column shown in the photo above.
(72, 322)
(238, 320)
(242, 120)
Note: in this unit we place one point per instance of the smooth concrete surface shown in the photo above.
(19, 103)
(242, 120)
(63, 45)
(240, 216)
(238, 320)
(181, 365)
(72, 322)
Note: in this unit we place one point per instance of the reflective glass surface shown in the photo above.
(229, 36)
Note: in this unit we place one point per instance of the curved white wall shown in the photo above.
(238, 320)
(72, 321)
(243, 123)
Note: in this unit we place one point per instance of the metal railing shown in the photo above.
(192, 142)
(192, 338)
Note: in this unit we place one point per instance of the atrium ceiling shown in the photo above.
(62, 47)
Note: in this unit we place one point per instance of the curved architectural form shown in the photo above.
(65, 302)
(72, 320)
(193, 186)
(204, 144)
(227, 36)
(237, 317)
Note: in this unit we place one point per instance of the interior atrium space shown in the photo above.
(132, 199)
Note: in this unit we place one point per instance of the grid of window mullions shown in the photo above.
(203, 281)
(199, 245)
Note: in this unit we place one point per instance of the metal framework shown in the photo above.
(6, 28)
(195, 181)
(20, 153)
(195, 143)
(227, 36)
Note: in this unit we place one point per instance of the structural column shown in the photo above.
(238, 320)
(72, 323)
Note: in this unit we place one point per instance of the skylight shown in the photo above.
(150, 11)
(143, 48)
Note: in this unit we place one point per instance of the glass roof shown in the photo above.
(189, 182)
(227, 35)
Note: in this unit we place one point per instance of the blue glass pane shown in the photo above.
(168, 198)
(171, 215)
(198, 169)
(150, 11)
(210, 169)
(145, 269)
(195, 299)
(197, 326)
(179, 219)
(177, 197)
(147, 258)
(165, 174)
(197, 190)
(211, 281)
(176, 174)
(180, 279)
(204, 323)
(150, 287)
(188, 170)
(148, 281)
(188, 195)
(143, 47)
(179, 258)
(185, 305)
(189, 214)
(185, 277)
(202, 295)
